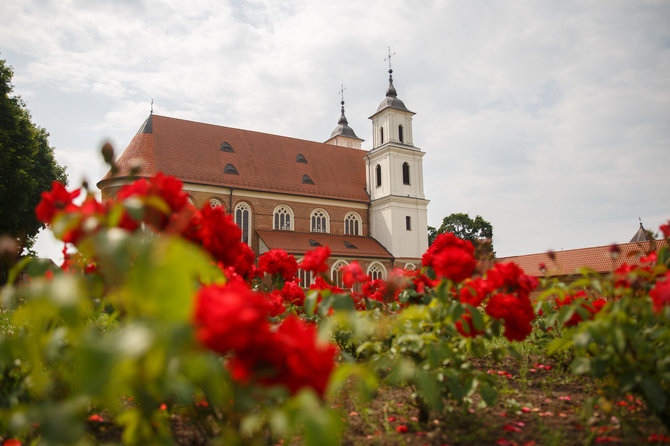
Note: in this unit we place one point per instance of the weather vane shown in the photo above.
(389, 58)
(342, 93)
(152, 106)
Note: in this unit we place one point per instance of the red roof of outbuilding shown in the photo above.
(598, 258)
(191, 151)
(299, 243)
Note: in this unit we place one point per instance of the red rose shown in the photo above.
(450, 257)
(471, 332)
(660, 294)
(474, 291)
(275, 304)
(375, 290)
(292, 356)
(517, 313)
(316, 260)
(277, 261)
(230, 317)
(54, 201)
(353, 273)
(217, 233)
(509, 278)
(293, 294)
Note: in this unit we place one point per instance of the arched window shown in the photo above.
(400, 137)
(215, 202)
(190, 200)
(410, 267)
(378, 174)
(381, 135)
(405, 173)
(336, 274)
(376, 271)
(243, 220)
(282, 218)
(319, 221)
(305, 278)
(352, 224)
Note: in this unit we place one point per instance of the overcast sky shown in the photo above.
(550, 119)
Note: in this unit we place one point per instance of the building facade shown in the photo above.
(293, 194)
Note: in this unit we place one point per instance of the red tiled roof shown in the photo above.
(191, 152)
(299, 243)
(598, 258)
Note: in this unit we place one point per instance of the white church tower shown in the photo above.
(394, 175)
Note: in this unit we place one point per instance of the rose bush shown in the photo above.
(163, 308)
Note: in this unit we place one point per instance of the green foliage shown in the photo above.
(464, 227)
(27, 165)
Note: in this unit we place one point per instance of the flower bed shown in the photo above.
(164, 323)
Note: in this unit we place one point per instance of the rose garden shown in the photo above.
(163, 328)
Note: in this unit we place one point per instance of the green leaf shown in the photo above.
(653, 394)
(581, 365)
(429, 389)
(488, 393)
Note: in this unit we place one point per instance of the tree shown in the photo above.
(27, 165)
(478, 231)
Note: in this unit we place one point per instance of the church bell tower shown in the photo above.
(394, 176)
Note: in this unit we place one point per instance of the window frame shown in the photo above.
(325, 220)
(241, 207)
(276, 218)
(405, 174)
(351, 218)
(381, 273)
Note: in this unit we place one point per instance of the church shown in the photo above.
(293, 194)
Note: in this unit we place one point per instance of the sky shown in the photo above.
(549, 119)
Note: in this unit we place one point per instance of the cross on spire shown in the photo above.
(152, 106)
(389, 59)
(342, 93)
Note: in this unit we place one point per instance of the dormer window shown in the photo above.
(230, 169)
(307, 180)
(350, 245)
(314, 243)
(300, 158)
(226, 147)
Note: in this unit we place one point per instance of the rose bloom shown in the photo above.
(293, 294)
(375, 290)
(292, 356)
(660, 294)
(316, 259)
(511, 279)
(275, 304)
(54, 201)
(353, 273)
(230, 317)
(164, 187)
(277, 261)
(517, 313)
(450, 257)
(217, 233)
(471, 332)
(474, 291)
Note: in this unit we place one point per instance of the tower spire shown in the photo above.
(390, 92)
(343, 119)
